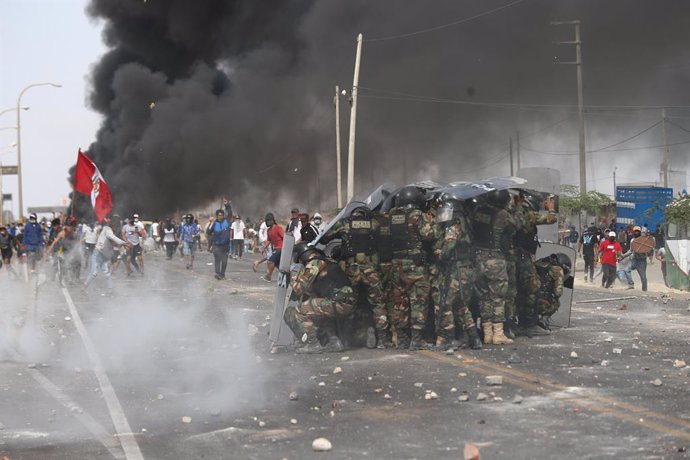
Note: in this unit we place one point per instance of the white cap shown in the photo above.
(612, 233)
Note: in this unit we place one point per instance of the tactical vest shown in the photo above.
(384, 239)
(527, 240)
(405, 235)
(333, 278)
(360, 239)
(483, 224)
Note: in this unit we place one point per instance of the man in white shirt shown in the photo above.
(134, 232)
(238, 231)
(265, 253)
(102, 254)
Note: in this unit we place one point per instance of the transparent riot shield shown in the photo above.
(548, 181)
(280, 334)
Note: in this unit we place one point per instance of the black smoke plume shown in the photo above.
(211, 98)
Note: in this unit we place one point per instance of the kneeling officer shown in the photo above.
(326, 297)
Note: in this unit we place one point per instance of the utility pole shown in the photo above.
(353, 123)
(664, 164)
(338, 172)
(580, 103)
(614, 183)
(510, 147)
(518, 149)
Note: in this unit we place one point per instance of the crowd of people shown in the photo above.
(617, 252)
(429, 268)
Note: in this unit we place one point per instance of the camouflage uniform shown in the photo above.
(328, 293)
(526, 245)
(384, 245)
(360, 260)
(456, 280)
(411, 284)
(493, 234)
(551, 278)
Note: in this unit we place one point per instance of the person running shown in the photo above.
(264, 250)
(103, 253)
(275, 237)
(134, 232)
(89, 237)
(188, 235)
(219, 235)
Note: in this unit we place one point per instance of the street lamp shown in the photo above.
(2, 112)
(19, 140)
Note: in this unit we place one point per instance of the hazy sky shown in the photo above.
(46, 41)
(263, 96)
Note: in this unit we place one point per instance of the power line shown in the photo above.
(678, 126)
(443, 26)
(421, 98)
(573, 152)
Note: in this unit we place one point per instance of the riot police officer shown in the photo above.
(493, 234)
(326, 297)
(359, 259)
(455, 252)
(410, 287)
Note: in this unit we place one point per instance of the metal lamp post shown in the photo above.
(19, 140)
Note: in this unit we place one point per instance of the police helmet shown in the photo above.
(533, 201)
(361, 211)
(301, 252)
(497, 198)
(448, 209)
(563, 261)
(409, 196)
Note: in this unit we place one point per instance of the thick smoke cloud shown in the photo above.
(234, 98)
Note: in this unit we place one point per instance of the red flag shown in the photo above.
(88, 181)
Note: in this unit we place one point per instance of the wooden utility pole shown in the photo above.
(353, 123)
(580, 99)
(339, 178)
(510, 148)
(664, 164)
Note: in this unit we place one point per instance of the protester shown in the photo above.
(308, 232)
(239, 231)
(265, 250)
(624, 266)
(661, 257)
(588, 246)
(33, 241)
(189, 231)
(275, 237)
(318, 222)
(610, 251)
(102, 254)
(294, 226)
(573, 238)
(219, 234)
(7, 242)
(134, 232)
(170, 238)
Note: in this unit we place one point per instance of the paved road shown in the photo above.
(177, 365)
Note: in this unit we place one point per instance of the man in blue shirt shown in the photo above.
(188, 234)
(33, 240)
(219, 233)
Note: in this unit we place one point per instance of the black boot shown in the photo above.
(334, 345)
(311, 347)
(383, 337)
(473, 339)
(417, 342)
(403, 342)
(531, 329)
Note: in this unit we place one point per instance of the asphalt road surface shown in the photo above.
(177, 366)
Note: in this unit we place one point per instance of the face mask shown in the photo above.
(637, 234)
(612, 238)
(317, 220)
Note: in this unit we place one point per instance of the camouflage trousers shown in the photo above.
(491, 285)
(317, 312)
(512, 291)
(527, 283)
(458, 283)
(409, 295)
(368, 277)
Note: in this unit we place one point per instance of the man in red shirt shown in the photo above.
(610, 251)
(275, 239)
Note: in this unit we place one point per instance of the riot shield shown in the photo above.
(280, 334)
(562, 317)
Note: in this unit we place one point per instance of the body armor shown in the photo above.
(384, 239)
(485, 234)
(360, 238)
(333, 278)
(405, 236)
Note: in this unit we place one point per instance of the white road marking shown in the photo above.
(124, 432)
(89, 422)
